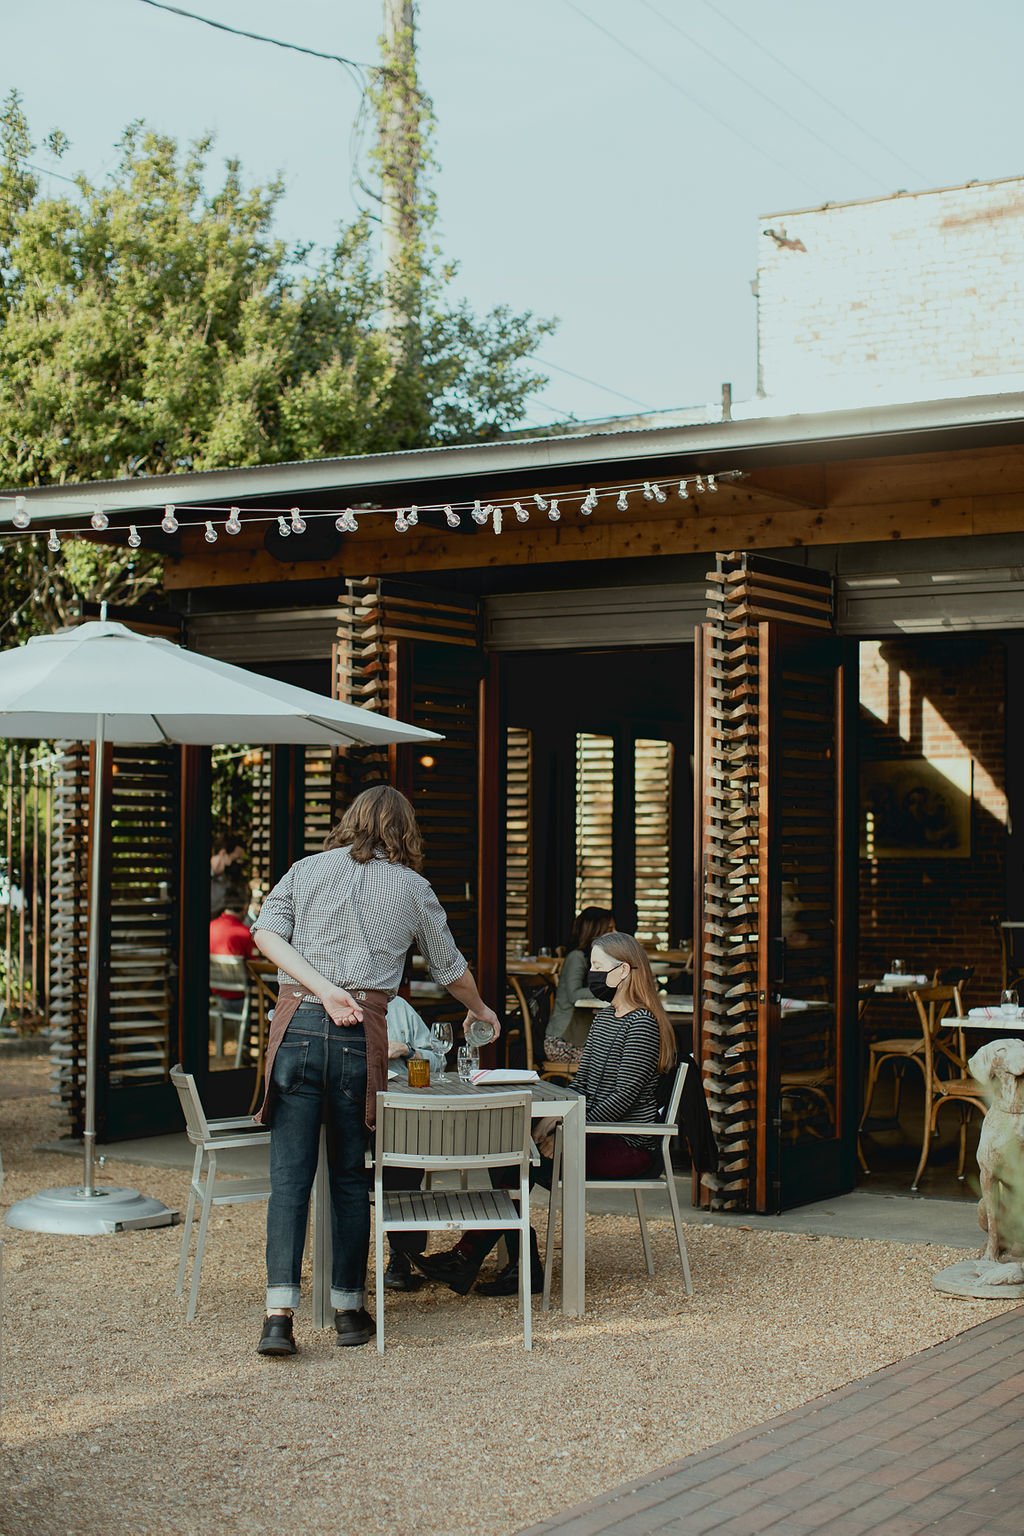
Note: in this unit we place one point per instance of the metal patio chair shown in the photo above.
(210, 1137)
(664, 1130)
(455, 1132)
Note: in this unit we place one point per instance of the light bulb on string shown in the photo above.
(347, 522)
(210, 535)
(401, 522)
(53, 543)
(684, 493)
(648, 491)
(233, 524)
(659, 494)
(589, 502)
(712, 483)
(478, 514)
(134, 541)
(22, 517)
(169, 523)
(99, 521)
(282, 528)
(622, 502)
(452, 518)
(553, 512)
(496, 519)
(698, 486)
(522, 516)
(413, 516)
(298, 523)
(541, 503)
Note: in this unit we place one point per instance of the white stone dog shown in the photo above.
(999, 1068)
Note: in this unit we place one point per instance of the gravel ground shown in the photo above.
(120, 1418)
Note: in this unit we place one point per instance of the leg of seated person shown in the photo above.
(612, 1157)
(405, 1179)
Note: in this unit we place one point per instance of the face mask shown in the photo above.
(598, 984)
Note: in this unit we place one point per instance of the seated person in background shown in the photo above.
(229, 935)
(631, 1041)
(408, 1036)
(228, 884)
(568, 1026)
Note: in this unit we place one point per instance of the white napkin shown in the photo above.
(503, 1075)
(891, 980)
(994, 1012)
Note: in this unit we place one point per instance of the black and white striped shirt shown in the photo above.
(355, 922)
(619, 1069)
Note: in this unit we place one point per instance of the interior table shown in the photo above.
(549, 1100)
(678, 1004)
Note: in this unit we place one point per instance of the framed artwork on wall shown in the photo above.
(916, 808)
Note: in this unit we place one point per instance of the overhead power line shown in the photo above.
(771, 100)
(259, 37)
(544, 363)
(724, 16)
(681, 90)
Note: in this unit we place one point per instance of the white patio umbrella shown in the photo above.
(102, 682)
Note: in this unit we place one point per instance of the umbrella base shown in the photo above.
(72, 1212)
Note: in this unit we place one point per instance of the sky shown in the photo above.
(603, 162)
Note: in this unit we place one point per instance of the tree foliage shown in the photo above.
(153, 322)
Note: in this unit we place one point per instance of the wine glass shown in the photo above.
(1008, 1003)
(443, 1037)
(899, 968)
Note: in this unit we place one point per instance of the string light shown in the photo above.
(53, 543)
(493, 513)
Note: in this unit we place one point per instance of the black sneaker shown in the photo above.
(399, 1276)
(277, 1337)
(353, 1327)
(452, 1269)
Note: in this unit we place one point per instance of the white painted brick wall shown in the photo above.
(900, 294)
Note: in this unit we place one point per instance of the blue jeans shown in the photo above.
(319, 1078)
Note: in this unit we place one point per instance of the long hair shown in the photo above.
(380, 817)
(589, 925)
(640, 990)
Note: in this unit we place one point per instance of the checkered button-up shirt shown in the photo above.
(355, 922)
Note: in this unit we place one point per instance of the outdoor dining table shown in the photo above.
(553, 1100)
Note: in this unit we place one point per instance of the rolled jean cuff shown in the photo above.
(282, 1296)
(345, 1301)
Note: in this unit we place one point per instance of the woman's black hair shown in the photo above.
(590, 924)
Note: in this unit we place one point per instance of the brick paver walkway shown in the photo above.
(933, 1444)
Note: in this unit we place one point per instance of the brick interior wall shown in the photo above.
(940, 698)
(894, 293)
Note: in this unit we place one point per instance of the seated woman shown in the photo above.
(568, 1026)
(631, 1042)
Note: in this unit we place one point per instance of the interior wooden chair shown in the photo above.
(532, 1035)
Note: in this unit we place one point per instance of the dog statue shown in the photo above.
(999, 1068)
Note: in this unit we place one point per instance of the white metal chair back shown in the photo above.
(196, 1124)
(421, 1130)
(228, 974)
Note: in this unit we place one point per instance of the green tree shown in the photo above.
(150, 325)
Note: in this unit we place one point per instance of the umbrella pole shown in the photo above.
(92, 1001)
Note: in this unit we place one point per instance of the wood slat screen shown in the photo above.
(518, 838)
(653, 840)
(69, 932)
(260, 828)
(595, 790)
(318, 771)
(744, 592)
(144, 844)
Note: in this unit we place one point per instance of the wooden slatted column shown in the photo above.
(746, 593)
(518, 838)
(69, 932)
